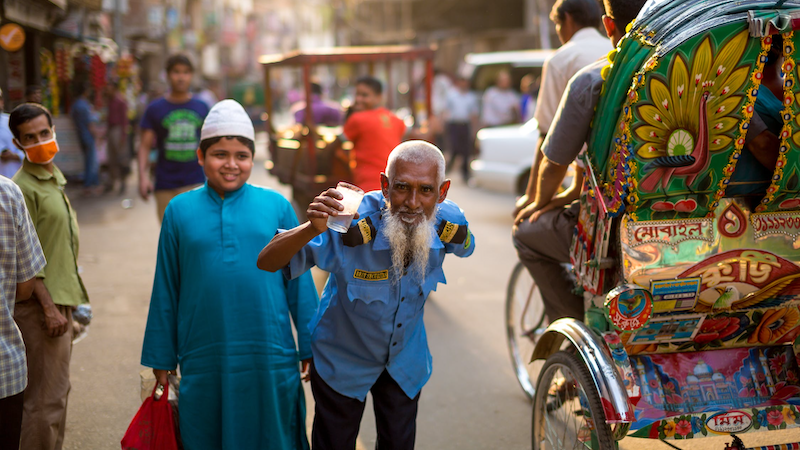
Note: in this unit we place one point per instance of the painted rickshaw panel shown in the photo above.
(706, 369)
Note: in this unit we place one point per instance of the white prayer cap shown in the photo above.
(227, 118)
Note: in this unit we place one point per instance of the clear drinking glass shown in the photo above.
(351, 198)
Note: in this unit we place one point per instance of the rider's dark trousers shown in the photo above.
(337, 418)
(542, 247)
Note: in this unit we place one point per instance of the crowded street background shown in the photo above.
(151, 149)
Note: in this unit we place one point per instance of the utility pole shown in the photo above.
(118, 36)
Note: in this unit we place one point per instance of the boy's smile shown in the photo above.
(227, 165)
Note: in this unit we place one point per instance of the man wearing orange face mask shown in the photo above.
(45, 319)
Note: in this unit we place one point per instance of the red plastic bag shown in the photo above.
(152, 428)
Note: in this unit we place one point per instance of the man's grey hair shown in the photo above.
(417, 152)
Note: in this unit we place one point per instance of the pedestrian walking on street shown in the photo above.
(21, 258)
(45, 320)
(374, 132)
(227, 324)
(461, 117)
(117, 151)
(543, 228)
(368, 334)
(172, 124)
(500, 103)
(84, 118)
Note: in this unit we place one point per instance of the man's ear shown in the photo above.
(16, 142)
(385, 185)
(609, 25)
(443, 190)
(201, 158)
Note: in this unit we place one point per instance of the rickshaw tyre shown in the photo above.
(576, 365)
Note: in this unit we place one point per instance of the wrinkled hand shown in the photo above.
(55, 323)
(304, 373)
(162, 376)
(324, 205)
(145, 187)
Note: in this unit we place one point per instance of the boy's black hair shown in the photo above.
(316, 89)
(371, 82)
(205, 144)
(622, 12)
(25, 113)
(585, 13)
(179, 59)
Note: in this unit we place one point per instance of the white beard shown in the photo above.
(408, 242)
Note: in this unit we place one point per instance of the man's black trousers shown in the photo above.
(337, 418)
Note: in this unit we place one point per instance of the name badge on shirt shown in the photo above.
(371, 276)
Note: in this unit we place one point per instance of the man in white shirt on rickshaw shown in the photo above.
(544, 227)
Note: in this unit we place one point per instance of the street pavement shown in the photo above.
(471, 402)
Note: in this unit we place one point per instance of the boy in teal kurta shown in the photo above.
(226, 323)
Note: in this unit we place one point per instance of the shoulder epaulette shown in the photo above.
(360, 233)
(450, 233)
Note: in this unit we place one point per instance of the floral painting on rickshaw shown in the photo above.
(681, 392)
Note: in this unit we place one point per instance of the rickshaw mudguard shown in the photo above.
(595, 355)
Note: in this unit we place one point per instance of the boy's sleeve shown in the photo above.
(301, 295)
(160, 347)
(33, 213)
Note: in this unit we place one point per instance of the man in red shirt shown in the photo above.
(374, 132)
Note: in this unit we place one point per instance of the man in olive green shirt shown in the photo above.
(46, 319)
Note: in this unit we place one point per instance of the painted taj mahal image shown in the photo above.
(754, 379)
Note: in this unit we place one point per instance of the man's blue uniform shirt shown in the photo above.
(366, 323)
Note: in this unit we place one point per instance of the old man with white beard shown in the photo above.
(368, 334)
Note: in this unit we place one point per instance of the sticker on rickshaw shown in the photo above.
(674, 295)
(668, 329)
(670, 232)
(629, 307)
(729, 422)
(776, 223)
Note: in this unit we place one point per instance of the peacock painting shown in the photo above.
(692, 112)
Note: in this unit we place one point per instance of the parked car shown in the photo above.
(504, 158)
(504, 153)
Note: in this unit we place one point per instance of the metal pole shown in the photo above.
(389, 86)
(428, 90)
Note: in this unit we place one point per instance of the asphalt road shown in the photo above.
(471, 402)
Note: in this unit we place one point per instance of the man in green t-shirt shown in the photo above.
(58, 286)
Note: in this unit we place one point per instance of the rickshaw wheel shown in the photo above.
(525, 324)
(567, 412)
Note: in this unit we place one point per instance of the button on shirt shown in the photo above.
(57, 227)
(366, 323)
(21, 257)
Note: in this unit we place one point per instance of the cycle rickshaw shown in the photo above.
(309, 157)
(693, 296)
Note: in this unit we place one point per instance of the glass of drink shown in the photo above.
(351, 198)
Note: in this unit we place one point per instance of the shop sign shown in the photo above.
(12, 37)
(16, 77)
